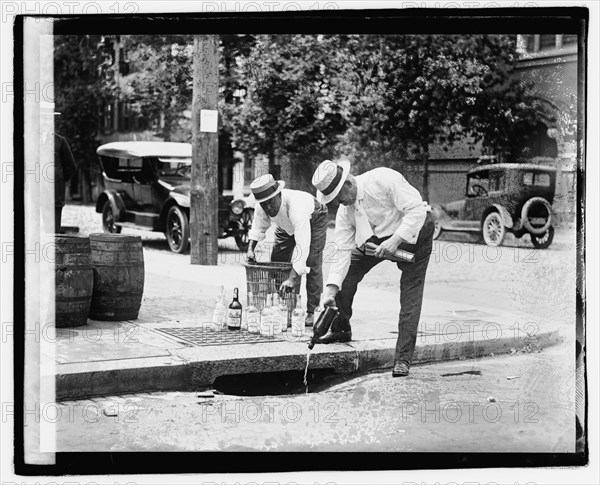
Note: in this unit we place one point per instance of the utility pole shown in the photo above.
(205, 152)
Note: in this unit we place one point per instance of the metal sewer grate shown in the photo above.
(201, 336)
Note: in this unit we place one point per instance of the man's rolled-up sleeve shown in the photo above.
(345, 231)
(302, 235)
(260, 224)
(408, 201)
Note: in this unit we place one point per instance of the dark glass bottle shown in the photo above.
(322, 324)
(234, 313)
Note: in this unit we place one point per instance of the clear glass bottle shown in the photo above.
(298, 315)
(219, 317)
(277, 319)
(283, 314)
(234, 313)
(266, 318)
(252, 316)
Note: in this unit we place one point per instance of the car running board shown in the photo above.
(133, 226)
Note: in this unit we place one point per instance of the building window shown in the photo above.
(529, 42)
(547, 41)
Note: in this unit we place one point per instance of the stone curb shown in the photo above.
(184, 373)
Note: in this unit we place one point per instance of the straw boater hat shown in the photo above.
(329, 177)
(266, 187)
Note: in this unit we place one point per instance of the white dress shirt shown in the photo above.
(294, 218)
(386, 205)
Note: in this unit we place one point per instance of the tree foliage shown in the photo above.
(377, 99)
(411, 91)
(159, 84)
(83, 80)
(295, 105)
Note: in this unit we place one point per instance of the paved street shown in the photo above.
(515, 403)
(519, 402)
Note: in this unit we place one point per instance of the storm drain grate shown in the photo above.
(201, 336)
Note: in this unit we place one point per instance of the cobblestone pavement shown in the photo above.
(516, 276)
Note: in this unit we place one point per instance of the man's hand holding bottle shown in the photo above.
(328, 298)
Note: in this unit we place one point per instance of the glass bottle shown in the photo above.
(234, 314)
(298, 319)
(219, 316)
(283, 314)
(266, 320)
(322, 325)
(252, 316)
(276, 316)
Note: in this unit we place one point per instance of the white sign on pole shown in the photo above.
(208, 120)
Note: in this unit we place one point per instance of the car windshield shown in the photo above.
(478, 184)
(175, 167)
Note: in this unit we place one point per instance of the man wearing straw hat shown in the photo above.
(379, 206)
(301, 229)
(55, 153)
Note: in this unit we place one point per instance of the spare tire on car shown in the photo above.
(536, 215)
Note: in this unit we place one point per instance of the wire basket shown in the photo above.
(264, 279)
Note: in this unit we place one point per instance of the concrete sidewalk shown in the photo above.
(169, 348)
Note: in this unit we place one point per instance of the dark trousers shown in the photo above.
(412, 282)
(283, 251)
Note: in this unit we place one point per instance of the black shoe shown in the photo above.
(310, 320)
(341, 336)
(401, 369)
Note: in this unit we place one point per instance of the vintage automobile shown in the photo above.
(147, 186)
(501, 198)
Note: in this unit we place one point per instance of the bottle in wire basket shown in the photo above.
(234, 313)
(298, 319)
(266, 319)
(277, 318)
(283, 314)
(252, 316)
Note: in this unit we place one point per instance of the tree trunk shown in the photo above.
(205, 152)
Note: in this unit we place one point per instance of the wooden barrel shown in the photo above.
(73, 280)
(118, 264)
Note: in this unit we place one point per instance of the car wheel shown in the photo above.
(544, 240)
(178, 230)
(241, 238)
(108, 219)
(493, 229)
